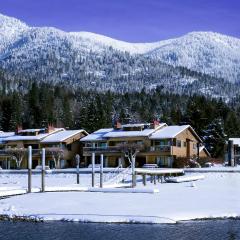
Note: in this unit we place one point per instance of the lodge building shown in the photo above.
(160, 144)
(58, 141)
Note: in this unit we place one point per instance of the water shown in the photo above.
(201, 230)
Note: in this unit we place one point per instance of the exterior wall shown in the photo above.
(71, 147)
(203, 154)
(186, 137)
(160, 151)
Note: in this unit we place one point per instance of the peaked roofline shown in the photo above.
(63, 139)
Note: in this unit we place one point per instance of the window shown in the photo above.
(184, 144)
(102, 144)
(69, 147)
(178, 143)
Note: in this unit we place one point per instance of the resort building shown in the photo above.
(61, 146)
(158, 144)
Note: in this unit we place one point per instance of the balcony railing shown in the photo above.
(101, 149)
(116, 149)
(163, 148)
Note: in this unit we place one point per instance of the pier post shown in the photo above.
(93, 169)
(151, 179)
(231, 153)
(29, 169)
(133, 172)
(162, 179)
(101, 171)
(77, 165)
(144, 179)
(43, 168)
(154, 179)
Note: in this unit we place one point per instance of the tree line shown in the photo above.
(42, 104)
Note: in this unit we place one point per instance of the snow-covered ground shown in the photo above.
(213, 197)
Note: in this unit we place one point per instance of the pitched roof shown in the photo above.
(38, 137)
(172, 132)
(4, 135)
(97, 135)
(203, 148)
(62, 136)
(106, 133)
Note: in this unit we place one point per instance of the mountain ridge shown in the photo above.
(95, 61)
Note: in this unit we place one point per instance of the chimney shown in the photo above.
(50, 128)
(18, 129)
(155, 124)
(117, 125)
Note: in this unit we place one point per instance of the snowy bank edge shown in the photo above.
(116, 220)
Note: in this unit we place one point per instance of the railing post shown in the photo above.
(101, 172)
(43, 168)
(154, 179)
(93, 169)
(30, 169)
(77, 165)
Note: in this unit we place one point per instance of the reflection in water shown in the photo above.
(212, 230)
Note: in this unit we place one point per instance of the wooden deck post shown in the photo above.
(43, 169)
(29, 169)
(77, 166)
(162, 179)
(93, 169)
(101, 171)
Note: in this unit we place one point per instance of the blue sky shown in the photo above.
(130, 20)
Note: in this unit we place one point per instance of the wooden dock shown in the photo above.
(157, 173)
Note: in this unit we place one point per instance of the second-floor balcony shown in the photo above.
(162, 148)
(117, 149)
(103, 149)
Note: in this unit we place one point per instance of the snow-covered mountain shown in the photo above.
(50, 54)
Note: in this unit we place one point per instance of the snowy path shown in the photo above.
(216, 196)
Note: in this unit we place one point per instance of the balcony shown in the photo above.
(104, 149)
(163, 148)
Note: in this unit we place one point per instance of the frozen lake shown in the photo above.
(200, 230)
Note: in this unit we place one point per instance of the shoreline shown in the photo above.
(31, 219)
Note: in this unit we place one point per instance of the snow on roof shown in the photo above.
(97, 135)
(32, 138)
(31, 130)
(135, 125)
(6, 134)
(103, 134)
(61, 136)
(236, 141)
(120, 133)
(169, 132)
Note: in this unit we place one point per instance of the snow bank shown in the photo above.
(185, 179)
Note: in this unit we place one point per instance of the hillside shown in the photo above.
(204, 63)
